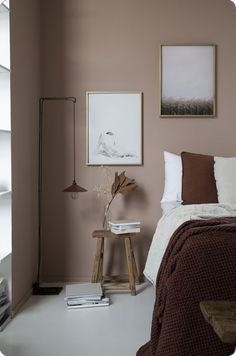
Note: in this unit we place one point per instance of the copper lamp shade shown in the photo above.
(74, 188)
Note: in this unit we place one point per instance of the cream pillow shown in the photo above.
(225, 175)
(173, 178)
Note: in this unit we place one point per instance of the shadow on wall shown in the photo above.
(138, 198)
(135, 201)
(115, 258)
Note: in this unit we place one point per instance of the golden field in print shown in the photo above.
(187, 108)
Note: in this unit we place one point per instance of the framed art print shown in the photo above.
(188, 81)
(114, 128)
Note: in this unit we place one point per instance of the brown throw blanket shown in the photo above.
(199, 264)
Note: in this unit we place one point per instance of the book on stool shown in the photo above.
(124, 226)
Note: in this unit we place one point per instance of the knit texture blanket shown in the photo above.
(199, 264)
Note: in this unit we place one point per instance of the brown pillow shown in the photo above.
(198, 181)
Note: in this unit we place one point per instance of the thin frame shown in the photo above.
(88, 93)
(215, 80)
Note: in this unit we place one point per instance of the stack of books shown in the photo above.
(124, 226)
(85, 295)
(5, 308)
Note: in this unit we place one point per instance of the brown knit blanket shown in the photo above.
(199, 264)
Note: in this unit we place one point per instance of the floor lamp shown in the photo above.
(74, 189)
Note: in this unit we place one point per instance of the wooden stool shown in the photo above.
(221, 315)
(115, 283)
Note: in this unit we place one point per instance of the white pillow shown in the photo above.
(173, 178)
(225, 176)
(167, 206)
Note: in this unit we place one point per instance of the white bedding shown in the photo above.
(171, 221)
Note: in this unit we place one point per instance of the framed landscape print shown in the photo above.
(114, 128)
(188, 81)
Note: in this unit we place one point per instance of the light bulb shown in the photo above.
(74, 195)
(234, 1)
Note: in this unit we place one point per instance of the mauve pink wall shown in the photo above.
(92, 45)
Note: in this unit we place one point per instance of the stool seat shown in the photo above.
(115, 283)
(109, 234)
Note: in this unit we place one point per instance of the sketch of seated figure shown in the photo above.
(108, 146)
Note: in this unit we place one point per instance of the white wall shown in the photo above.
(4, 39)
(5, 122)
(5, 223)
(5, 161)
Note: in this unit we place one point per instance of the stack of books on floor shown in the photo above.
(5, 307)
(124, 226)
(85, 295)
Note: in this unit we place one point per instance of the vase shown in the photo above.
(106, 217)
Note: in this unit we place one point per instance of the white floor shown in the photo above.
(45, 327)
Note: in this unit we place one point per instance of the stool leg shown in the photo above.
(97, 261)
(130, 266)
(100, 267)
(137, 280)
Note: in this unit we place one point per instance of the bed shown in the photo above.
(192, 258)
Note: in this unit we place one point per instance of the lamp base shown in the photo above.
(37, 290)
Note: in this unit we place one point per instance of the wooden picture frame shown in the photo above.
(187, 80)
(114, 128)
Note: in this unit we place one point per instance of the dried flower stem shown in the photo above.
(123, 185)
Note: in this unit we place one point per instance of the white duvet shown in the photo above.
(171, 221)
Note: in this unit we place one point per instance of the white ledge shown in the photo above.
(5, 192)
(4, 255)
